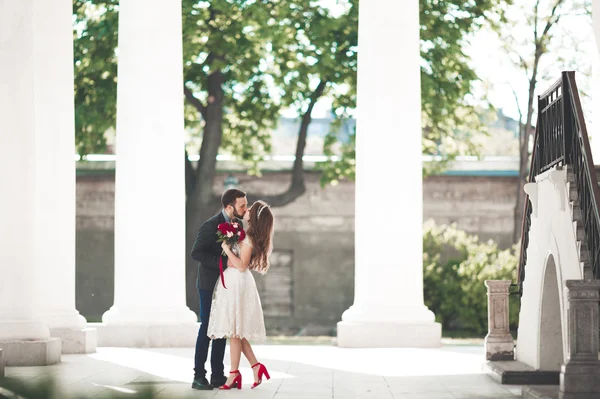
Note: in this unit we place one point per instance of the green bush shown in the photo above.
(455, 266)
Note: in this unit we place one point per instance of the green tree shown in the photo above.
(320, 61)
(95, 41)
(446, 75)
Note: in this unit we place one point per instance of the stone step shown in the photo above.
(541, 392)
(513, 372)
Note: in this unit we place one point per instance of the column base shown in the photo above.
(499, 348)
(176, 335)
(148, 316)
(63, 320)
(41, 352)
(580, 378)
(76, 341)
(375, 334)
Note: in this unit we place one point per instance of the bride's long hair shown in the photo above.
(260, 231)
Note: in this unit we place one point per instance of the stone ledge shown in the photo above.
(180, 335)
(76, 341)
(553, 392)
(541, 392)
(513, 372)
(31, 352)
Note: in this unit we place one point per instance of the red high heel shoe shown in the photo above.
(262, 370)
(237, 381)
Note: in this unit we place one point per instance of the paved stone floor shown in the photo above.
(297, 371)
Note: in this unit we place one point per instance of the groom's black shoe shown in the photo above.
(201, 383)
(217, 381)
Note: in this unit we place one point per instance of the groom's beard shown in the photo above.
(237, 215)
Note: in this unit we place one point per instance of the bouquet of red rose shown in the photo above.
(232, 233)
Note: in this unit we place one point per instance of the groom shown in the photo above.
(207, 252)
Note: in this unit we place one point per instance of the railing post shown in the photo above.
(499, 344)
(579, 374)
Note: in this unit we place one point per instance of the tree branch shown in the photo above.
(551, 22)
(518, 105)
(194, 101)
(297, 186)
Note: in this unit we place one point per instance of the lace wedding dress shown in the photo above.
(236, 311)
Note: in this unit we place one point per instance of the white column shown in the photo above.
(150, 190)
(595, 58)
(54, 236)
(24, 339)
(388, 308)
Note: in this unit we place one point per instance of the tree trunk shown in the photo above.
(524, 137)
(297, 186)
(190, 176)
(298, 169)
(202, 202)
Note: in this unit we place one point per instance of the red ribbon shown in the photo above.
(221, 271)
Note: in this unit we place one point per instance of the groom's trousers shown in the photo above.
(218, 345)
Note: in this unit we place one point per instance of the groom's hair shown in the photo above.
(229, 196)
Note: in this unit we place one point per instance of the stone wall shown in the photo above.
(482, 205)
(311, 281)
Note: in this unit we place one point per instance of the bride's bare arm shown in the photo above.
(241, 263)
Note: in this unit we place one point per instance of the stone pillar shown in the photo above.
(388, 309)
(24, 338)
(54, 235)
(1, 365)
(499, 344)
(149, 307)
(579, 374)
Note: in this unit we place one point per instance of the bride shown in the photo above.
(236, 312)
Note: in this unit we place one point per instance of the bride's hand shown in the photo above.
(225, 247)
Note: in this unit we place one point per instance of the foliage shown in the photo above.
(343, 166)
(449, 119)
(47, 388)
(323, 49)
(95, 63)
(455, 267)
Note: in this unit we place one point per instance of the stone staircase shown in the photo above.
(553, 391)
(577, 218)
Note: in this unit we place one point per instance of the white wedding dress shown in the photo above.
(236, 311)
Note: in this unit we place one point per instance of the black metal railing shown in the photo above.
(561, 139)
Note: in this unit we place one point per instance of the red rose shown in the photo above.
(242, 234)
(224, 228)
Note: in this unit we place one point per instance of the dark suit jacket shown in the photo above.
(207, 252)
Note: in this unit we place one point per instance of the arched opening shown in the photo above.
(551, 342)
